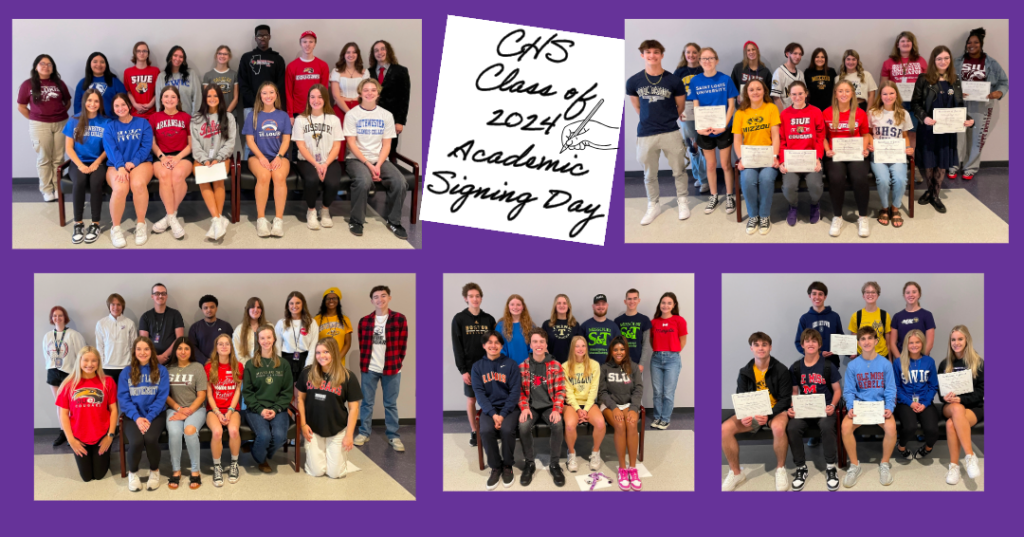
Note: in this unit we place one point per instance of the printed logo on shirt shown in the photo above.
(378, 336)
(653, 94)
(919, 376)
(915, 320)
(712, 88)
(475, 329)
(209, 129)
(810, 383)
(257, 63)
(99, 86)
(308, 74)
(94, 131)
(972, 71)
(91, 397)
(619, 376)
(320, 397)
(140, 390)
(268, 129)
(494, 376)
(871, 380)
(224, 83)
(141, 83)
(124, 136)
(822, 324)
(755, 124)
(181, 379)
(324, 386)
(170, 123)
(179, 82)
(370, 126)
(630, 331)
(905, 69)
(538, 381)
(821, 81)
(562, 331)
(598, 335)
(48, 93)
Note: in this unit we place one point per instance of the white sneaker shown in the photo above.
(397, 444)
(222, 227)
(262, 227)
(885, 474)
(971, 461)
(153, 482)
(863, 227)
(176, 229)
(161, 225)
(837, 226)
(571, 464)
(50, 195)
(653, 210)
(117, 237)
(595, 461)
(311, 220)
(953, 475)
(212, 233)
(325, 217)
(140, 233)
(684, 208)
(134, 484)
(277, 229)
(705, 188)
(732, 480)
(781, 480)
(360, 439)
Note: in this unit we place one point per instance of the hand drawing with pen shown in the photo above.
(523, 139)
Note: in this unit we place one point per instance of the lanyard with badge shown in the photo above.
(158, 328)
(296, 356)
(318, 137)
(58, 359)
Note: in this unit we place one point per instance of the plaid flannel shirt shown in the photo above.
(556, 385)
(396, 333)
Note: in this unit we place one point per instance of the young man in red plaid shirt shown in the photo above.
(383, 335)
(542, 397)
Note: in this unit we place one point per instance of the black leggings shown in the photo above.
(929, 419)
(149, 441)
(331, 183)
(93, 465)
(839, 173)
(93, 183)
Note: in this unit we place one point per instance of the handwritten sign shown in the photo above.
(525, 131)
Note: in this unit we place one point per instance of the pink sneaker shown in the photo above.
(624, 479)
(634, 480)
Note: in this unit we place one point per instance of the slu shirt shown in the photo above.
(268, 130)
(657, 94)
(883, 124)
(812, 380)
(599, 335)
(713, 91)
(633, 329)
(89, 408)
(755, 124)
(761, 385)
(905, 321)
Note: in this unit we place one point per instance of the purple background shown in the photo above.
(456, 249)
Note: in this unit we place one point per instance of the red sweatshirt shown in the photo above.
(842, 130)
(141, 84)
(801, 130)
(299, 77)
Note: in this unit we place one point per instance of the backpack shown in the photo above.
(794, 370)
(885, 321)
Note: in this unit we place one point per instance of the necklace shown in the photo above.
(654, 83)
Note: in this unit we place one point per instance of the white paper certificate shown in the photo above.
(976, 91)
(750, 404)
(688, 111)
(906, 91)
(209, 174)
(800, 160)
(845, 345)
(757, 156)
(848, 149)
(890, 150)
(809, 406)
(868, 412)
(959, 383)
(710, 117)
(949, 120)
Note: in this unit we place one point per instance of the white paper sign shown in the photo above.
(688, 111)
(525, 131)
(906, 91)
(949, 120)
(209, 174)
(800, 160)
(976, 91)
(710, 117)
(848, 149)
(890, 150)
(959, 382)
(751, 404)
(843, 344)
(757, 156)
(809, 406)
(868, 412)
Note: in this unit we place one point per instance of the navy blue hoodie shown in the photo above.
(496, 384)
(826, 323)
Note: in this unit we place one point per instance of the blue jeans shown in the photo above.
(758, 186)
(389, 384)
(665, 368)
(890, 176)
(697, 165)
(270, 435)
(176, 429)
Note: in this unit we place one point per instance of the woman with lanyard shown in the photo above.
(345, 79)
(751, 68)
(334, 323)
(224, 375)
(844, 119)
(976, 66)
(916, 384)
(802, 129)
(297, 332)
(99, 77)
(903, 67)
(863, 83)
(913, 317)
(712, 88)
(938, 88)
(888, 120)
(966, 410)
(128, 142)
(820, 79)
(88, 422)
(243, 339)
(83, 135)
(266, 388)
(689, 67)
(186, 412)
(748, 129)
(44, 100)
(172, 145)
(318, 136)
(329, 397)
(213, 133)
(60, 348)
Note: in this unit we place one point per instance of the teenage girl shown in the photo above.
(839, 125)
(243, 338)
(142, 393)
(975, 64)
(224, 77)
(904, 66)
(224, 376)
(712, 88)
(689, 67)
(128, 142)
(872, 316)
(268, 133)
(213, 142)
(172, 145)
(60, 347)
(99, 77)
(802, 128)
(820, 79)
(561, 328)
(88, 413)
(329, 397)
(176, 74)
(186, 412)
(888, 119)
(515, 326)
(333, 322)
(267, 389)
(298, 334)
(758, 184)
(913, 317)
(44, 101)
(916, 384)
(345, 78)
(620, 391)
(140, 80)
(83, 135)
(963, 411)
(863, 83)
(318, 136)
(750, 68)
(582, 379)
(668, 339)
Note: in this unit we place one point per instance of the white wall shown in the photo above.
(872, 39)
(84, 296)
(539, 291)
(773, 304)
(62, 39)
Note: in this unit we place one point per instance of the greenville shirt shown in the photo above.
(326, 406)
(161, 327)
(227, 382)
(319, 134)
(812, 380)
(269, 128)
(141, 85)
(801, 129)
(599, 335)
(906, 70)
(842, 129)
(905, 321)
(781, 80)
(186, 382)
(713, 91)
(755, 124)
(91, 146)
(665, 334)
(883, 124)
(380, 344)
(874, 320)
(89, 408)
(370, 128)
(633, 329)
(657, 94)
(60, 349)
(226, 81)
(560, 336)
(862, 87)
(49, 107)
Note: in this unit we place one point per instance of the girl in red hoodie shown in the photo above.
(802, 129)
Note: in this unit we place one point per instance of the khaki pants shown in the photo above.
(325, 456)
(48, 143)
(648, 153)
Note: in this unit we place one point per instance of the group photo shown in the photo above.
(233, 134)
(596, 398)
(741, 129)
(854, 382)
(133, 366)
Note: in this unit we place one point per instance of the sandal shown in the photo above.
(195, 481)
(883, 217)
(172, 481)
(897, 220)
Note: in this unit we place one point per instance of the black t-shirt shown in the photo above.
(560, 335)
(812, 380)
(161, 327)
(326, 409)
(657, 94)
(819, 86)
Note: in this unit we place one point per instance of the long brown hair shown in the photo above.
(932, 74)
(307, 319)
(877, 107)
(342, 64)
(745, 103)
(257, 357)
(177, 94)
(135, 376)
(627, 363)
(389, 55)
(682, 59)
(569, 319)
(215, 360)
(335, 371)
(746, 60)
(675, 304)
(201, 115)
(325, 95)
(914, 54)
(83, 119)
(245, 330)
(259, 101)
(525, 323)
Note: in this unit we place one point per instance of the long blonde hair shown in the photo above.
(569, 319)
(337, 372)
(877, 108)
(525, 323)
(257, 357)
(905, 359)
(74, 379)
(746, 60)
(853, 107)
(971, 358)
(246, 330)
(682, 60)
(860, 66)
(586, 355)
(215, 360)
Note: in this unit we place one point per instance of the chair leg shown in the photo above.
(479, 443)
(910, 184)
(120, 455)
(298, 448)
(60, 203)
(640, 447)
(414, 210)
(739, 196)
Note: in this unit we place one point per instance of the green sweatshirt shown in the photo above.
(268, 386)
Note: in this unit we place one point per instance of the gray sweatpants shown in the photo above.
(791, 183)
(648, 153)
(969, 144)
(391, 180)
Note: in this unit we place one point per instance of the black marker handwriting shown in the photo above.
(515, 119)
(518, 160)
(581, 100)
(509, 50)
(510, 84)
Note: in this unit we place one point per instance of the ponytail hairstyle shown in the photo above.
(977, 32)
(83, 119)
(860, 66)
(37, 84)
(919, 292)
(746, 60)
(971, 358)
(906, 358)
(853, 106)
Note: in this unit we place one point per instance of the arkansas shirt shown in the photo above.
(141, 84)
(665, 333)
(170, 132)
(89, 408)
(801, 129)
(225, 387)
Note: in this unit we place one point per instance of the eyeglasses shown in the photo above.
(160, 293)
(708, 59)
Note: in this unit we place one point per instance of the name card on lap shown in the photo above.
(757, 156)
(750, 404)
(890, 150)
(800, 160)
(209, 174)
(525, 131)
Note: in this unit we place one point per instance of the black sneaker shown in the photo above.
(752, 225)
(905, 454)
(356, 229)
(92, 233)
(800, 478)
(712, 203)
(507, 476)
(78, 235)
(527, 476)
(492, 482)
(233, 472)
(922, 453)
(730, 204)
(832, 478)
(60, 440)
(218, 475)
(472, 439)
(557, 475)
(398, 230)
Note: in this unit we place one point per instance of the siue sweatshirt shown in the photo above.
(496, 385)
(145, 400)
(870, 380)
(923, 381)
(128, 142)
(208, 142)
(616, 388)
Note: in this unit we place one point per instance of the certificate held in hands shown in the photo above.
(890, 150)
(709, 117)
(750, 404)
(868, 412)
(757, 156)
(959, 382)
(949, 120)
(800, 160)
(843, 344)
(976, 91)
(848, 149)
(809, 406)
(906, 91)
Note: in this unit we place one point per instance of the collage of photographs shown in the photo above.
(206, 212)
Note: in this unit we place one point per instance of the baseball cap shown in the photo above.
(307, 33)
(600, 298)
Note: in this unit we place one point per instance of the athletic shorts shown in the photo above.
(55, 376)
(710, 143)
(467, 389)
(174, 154)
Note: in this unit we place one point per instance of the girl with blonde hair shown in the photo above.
(845, 120)
(581, 386)
(963, 411)
(88, 413)
(852, 71)
(268, 133)
(887, 120)
(224, 377)
(328, 406)
(916, 383)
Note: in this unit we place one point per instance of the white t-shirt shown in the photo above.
(307, 339)
(863, 88)
(780, 84)
(370, 127)
(318, 133)
(349, 86)
(60, 349)
(883, 124)
(380, 344)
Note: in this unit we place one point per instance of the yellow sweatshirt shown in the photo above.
(580, 390)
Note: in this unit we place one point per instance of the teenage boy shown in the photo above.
(304, 72)
(599, 330)
(383, 336)
(812, 375)
(634, 326)
(115, 334)
(785, 75)
(204, 332)
(869, 379)
(257, 66)
(541, 398)
(659, 98)
(468, 327)
(821, 318)
(161, 324)
(496, 383)
(763, 372)
(872, 316)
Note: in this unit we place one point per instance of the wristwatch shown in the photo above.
(110, 435)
